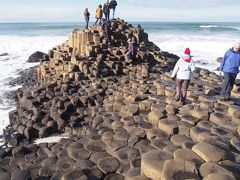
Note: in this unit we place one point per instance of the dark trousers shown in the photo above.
(113, 12)
(181, 89)
(87, 21)
(106, 16)
(228, 83)
(97, 21)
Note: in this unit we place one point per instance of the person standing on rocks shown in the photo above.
(106, 10)
(86, 17)
(182, 72)
(99, 14)
(230, 67)
(113, 5)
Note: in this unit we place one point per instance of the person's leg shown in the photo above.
(178, 89)
(87, 21)
(184, 88)
(128, 53)
(232, 78)
(113, 12)
(225, 84)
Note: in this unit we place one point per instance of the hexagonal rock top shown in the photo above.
(153, 162)
(208, 152)
(179, 169)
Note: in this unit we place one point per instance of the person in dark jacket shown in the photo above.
(230, 67)
(113, 5)
(86, 17)
(106, 10)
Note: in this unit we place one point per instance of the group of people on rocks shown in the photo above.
(184, 67)
(105, 9)
(104, 22)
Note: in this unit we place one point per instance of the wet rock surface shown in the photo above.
(120, 116)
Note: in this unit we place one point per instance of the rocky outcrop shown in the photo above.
(120, 116)
(37, 57)
(4, 54)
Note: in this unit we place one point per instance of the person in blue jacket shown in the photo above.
(113, 5)
(230, 67)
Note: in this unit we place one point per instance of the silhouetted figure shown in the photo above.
(86, 17)
(113, 5)
(99, 14)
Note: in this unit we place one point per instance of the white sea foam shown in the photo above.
(208, 26)
(19, 48)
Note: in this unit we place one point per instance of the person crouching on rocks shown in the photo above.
(131, 53)
(99, 13)
(182, 72)
(230, 67)
(107, 30)
(86, 17)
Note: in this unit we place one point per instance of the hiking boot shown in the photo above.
(227, 97)
(177, 98)
(222, 98)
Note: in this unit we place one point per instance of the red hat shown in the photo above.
(187, 51)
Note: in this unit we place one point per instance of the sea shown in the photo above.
(206, 40)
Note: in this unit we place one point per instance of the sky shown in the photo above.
(129, 10)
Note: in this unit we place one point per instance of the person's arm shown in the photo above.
(223, 61)
(175, 70)
(192, 66)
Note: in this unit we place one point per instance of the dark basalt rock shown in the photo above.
(219, 59)
(4, 54)
(36, 57)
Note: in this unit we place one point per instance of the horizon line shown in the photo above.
(151, 21)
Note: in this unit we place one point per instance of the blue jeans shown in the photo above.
(228, 83)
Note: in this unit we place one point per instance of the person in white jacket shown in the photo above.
(182, 72)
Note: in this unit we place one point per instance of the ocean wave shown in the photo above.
(208, 26)
(219, 28)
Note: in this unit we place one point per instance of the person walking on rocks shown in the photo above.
(182, 72)
(106, 10)
(230, 67)
(86, 17)
(113, 5)
(99, 14)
